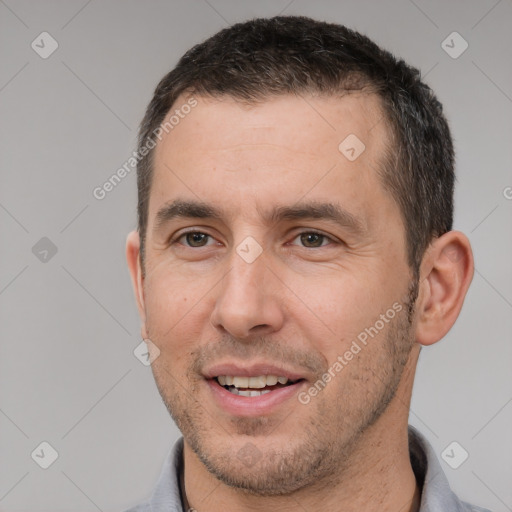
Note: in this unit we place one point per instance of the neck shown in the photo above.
(377, 477)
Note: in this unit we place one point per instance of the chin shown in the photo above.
(265, 465)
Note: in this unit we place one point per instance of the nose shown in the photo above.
(248, 304)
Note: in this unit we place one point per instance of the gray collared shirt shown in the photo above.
(436, 495)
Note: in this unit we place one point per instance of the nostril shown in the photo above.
(260, 327)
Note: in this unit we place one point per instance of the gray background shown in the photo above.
(69, 324)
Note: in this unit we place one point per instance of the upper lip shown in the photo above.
(252, 370)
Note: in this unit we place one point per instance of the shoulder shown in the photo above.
(436, 494)
(166, 495)
(141, 507)
(472, 508)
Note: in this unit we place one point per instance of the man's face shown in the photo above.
(268, 252)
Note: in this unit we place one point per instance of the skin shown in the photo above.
(300, 304)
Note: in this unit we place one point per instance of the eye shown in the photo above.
(194, 239)
(313, 239)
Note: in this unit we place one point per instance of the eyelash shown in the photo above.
(177, 238)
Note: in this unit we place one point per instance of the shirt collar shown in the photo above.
(436, 495)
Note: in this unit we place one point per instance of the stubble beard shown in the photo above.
(320, 455)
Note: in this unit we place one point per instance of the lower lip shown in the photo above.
(251, 406)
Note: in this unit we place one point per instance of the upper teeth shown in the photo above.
(251, 382)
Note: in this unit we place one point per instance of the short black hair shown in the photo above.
(267, 57)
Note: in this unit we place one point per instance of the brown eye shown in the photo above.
(196, 239)
(312, 240)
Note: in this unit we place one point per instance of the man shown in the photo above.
(294, 252)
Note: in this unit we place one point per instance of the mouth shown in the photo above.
(253, 391)
(254, 386)
(260, 388)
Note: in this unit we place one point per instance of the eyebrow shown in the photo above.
(180, 208)
(318, 210)
(185, 209)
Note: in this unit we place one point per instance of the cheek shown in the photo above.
(349, 325)
(176, 309)
(334, 312)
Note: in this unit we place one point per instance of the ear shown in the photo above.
(134, 266)
(445, 275)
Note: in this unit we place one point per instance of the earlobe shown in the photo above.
(134, 266)
(446, 273)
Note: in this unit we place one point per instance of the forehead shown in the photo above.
(275, 151)
(289, 121)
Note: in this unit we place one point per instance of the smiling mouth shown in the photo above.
(253, 386)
